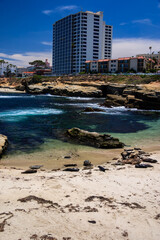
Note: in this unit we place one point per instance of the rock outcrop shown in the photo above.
(128, 95)
(93, 139)
(90, 109)
(64, 90)
(134, 156)
(133, 97)
(3, 144)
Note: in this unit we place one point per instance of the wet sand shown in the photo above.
(56, 157)
(52, 155)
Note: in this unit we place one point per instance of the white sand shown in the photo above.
(114, 219)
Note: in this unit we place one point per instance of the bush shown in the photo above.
(81, 73)
(36, 79)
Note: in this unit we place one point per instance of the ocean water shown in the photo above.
(32, 121)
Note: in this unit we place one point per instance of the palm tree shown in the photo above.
(150, 48)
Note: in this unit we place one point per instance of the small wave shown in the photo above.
(30, 112)
(80, 98)
(22, 96)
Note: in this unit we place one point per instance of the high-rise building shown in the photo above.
(80, 37)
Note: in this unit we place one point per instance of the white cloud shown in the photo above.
(123, 23)
(23, 59)
(47, 43)
(146, 21)
(127, 47)
(122, 47)
(63, 8)
(47, 12)
(60, 9)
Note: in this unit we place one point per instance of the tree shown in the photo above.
(8, 72)
(2, 61)
(38, 64)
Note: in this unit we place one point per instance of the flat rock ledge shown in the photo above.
(93, 139)
(3, 144)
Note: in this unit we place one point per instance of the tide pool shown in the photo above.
(30, 121)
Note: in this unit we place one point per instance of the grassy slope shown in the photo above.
(133, 79)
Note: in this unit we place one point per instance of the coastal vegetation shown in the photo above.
(82, 79)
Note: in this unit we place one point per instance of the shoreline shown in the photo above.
(55, 158)
(10, 90)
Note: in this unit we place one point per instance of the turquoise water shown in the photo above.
(30, 121)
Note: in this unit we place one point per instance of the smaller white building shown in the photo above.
(5, 66)
(113, 65)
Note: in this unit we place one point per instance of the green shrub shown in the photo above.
(36, 78)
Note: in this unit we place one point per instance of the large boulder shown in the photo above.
(93, 139)
(134, 97)
(114, 101)
(3, 144)
(113, 88)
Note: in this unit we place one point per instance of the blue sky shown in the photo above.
(26, 26)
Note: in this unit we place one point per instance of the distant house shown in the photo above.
(154, 56)
(27, 74)
(43, 71)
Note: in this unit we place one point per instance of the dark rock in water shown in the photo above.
(67, 157)
(150, 160)
(71, 169)
(93, 139)
(90, 109)
(70, 165)
(36, 166)
(92, 221)
(29, 171)
(143, 165)
(101, 168)
(87, 163)
(114, 101)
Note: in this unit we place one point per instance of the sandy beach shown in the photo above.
(121, 203)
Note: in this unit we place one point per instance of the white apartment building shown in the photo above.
(4, 66)
(80, 37)
(123, 65)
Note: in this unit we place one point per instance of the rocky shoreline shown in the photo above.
(132, 96)
(128, 95)
(138, 96)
